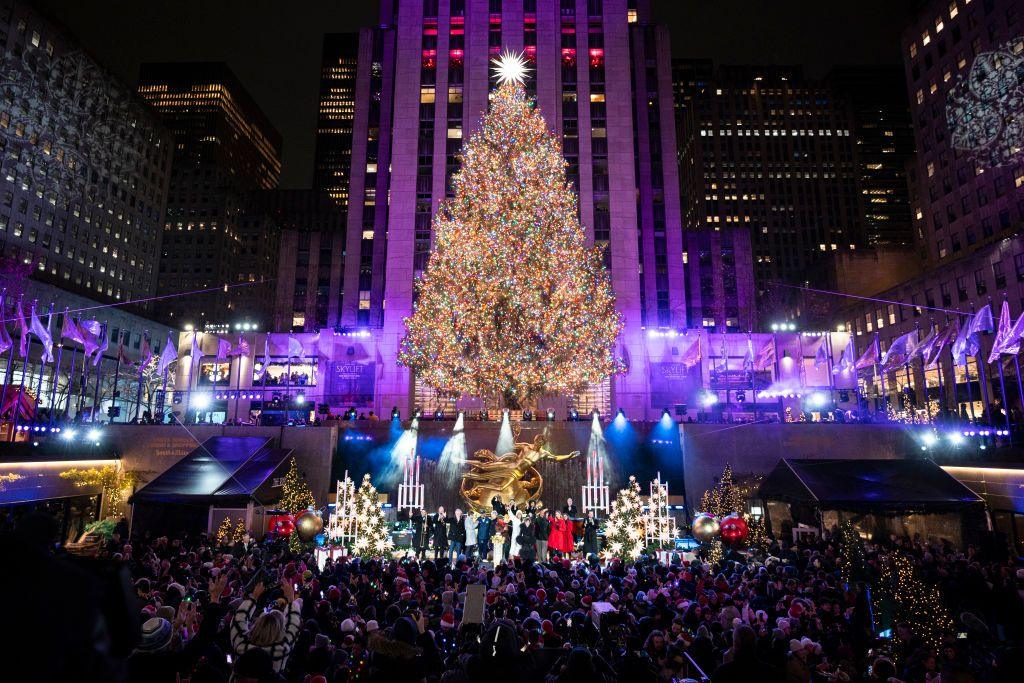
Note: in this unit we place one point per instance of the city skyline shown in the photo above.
(286, 85)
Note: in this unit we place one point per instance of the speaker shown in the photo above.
(114, 411)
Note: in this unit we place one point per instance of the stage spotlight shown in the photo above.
(929, 439)
(956, 438)
(708, 399)
(551, 415)
(395, 415)
(300, 399)
(817, 400)
(93, 435)
(201, 402)
(438, 414)
(69, 435)
(416, 415)
(622, 414)
(527, 415)
(574, 415)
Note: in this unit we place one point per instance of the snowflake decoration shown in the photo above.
(985, 110)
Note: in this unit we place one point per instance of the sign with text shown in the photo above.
(351, 383)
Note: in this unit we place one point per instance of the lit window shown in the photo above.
(938, 25)
(426, 95)
(913, 50)
(953, 10)
(931, 169)
(454, 133)
(631, 16)
(926, 38)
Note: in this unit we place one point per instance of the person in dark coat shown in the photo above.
(591, 545)
(498, 506)
(419, 532)
(439, 533)
(527, 541)
(484, 529)
(570, 510)
(456, 536)
(542, 530)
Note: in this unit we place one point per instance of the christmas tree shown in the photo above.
(224, 532)
(512, 304)
(295, 493)
(725, 498)
(852, 561)
(902, 596)
(624, 529)
(372, 536)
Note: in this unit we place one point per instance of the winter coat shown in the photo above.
(591, 545)
(457, 530)
(527, 543)
(419, 531)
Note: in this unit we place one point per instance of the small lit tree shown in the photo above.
(372, 536)
(725, 497)
(224, 532)
(296, 495)
(851, 553)
(625, 526)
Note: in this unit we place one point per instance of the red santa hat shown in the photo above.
(448, 619)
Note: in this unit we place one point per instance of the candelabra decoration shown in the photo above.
(341, 525)
(659, 526)
(595, 492)
(410, 491)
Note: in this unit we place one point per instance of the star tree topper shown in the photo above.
(510, 67)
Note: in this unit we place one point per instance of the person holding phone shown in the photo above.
(273, 631)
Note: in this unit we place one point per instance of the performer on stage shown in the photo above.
(571, 513)
(560, 540)
(527, 541)
(419, 533)
(471, 536)
(516, 522)
(498, 505)
(591, 545)
(438, 532)
(542, 530)
(498, 536)
(484, 530)
(456, 536)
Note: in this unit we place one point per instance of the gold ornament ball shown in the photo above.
(307, 525)
(705, 527)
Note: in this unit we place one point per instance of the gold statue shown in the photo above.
(511, 475)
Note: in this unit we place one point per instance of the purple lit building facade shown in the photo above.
(966, 196)
(602, 79)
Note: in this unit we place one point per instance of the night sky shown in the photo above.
(274, 45)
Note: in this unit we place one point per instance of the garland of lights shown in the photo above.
(512, 304)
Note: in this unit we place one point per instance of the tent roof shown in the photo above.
(866, 484)
(222, 469)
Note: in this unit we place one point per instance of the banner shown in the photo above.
(351, 384)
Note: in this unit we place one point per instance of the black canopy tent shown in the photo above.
(892, 495)
(223, 476)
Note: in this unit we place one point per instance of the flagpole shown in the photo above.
(10, 356)
(98, 364)
(83, 383)
(881, 375)
(56, 372)
(117, 373)
(238, 387)
(188, 381)
(828, 368)
(163, 391)
(42, 368)
(938, 371)
(138, 393)
(1020, 385)
(27, 338)
(71, 375)
(1002, 383)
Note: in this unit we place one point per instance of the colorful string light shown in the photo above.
(512, 304)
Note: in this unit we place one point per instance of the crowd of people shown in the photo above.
(255, 611)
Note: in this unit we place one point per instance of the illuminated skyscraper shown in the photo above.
(224, 149)
(83, 165)
(770, 151)
(336, 115)
(601, 75)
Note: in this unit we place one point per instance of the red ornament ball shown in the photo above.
(734, 529)
(284, 527)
